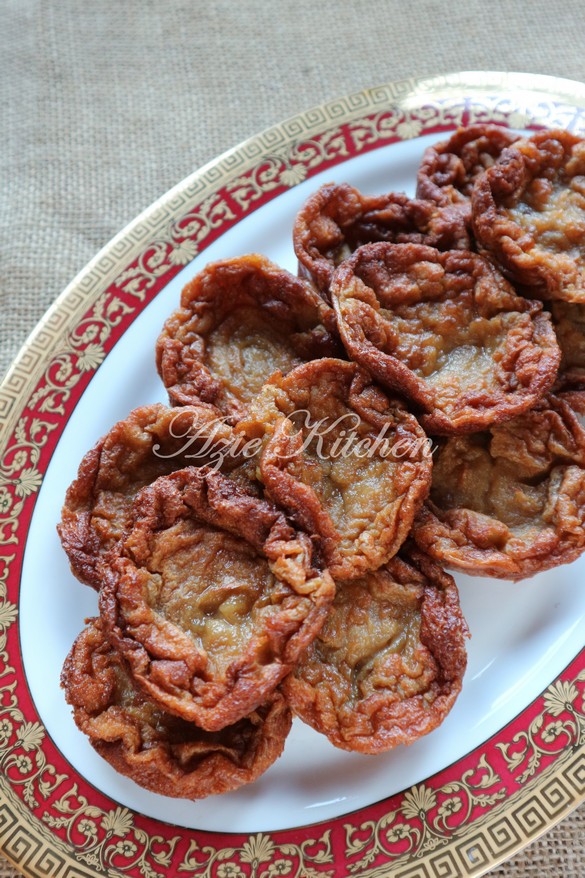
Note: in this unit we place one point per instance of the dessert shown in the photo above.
(152, 441)
(509, 501)
(337, 219)
(348, 463)
(157, 750)
(240, 320)
(449, 169)
(446, 331)
(387, 665)
(529, 214)
(211, 597)
(275, 541)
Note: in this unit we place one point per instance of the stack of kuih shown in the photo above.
(273, 542)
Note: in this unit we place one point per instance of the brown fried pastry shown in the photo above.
(337, 219)
(212, 597)
(449, 169)
(152, 441)
(387, 665)
(576, 399)
(529, 214)
(346, 462)
(569, 323)
(509, 502)
(445, 330)
(239, 321)
(157, 750)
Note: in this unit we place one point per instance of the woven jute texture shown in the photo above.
(106, 105)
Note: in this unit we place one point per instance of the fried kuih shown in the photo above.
(157, 750)
(569, 322)
(152, 441)
(239, 321)
(449, 169)
(212, 597)
(529, 214)
(337, 219)
(447, 331)
(388, 664)
(349, 464)
(509, 502)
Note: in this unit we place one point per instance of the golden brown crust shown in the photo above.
(349, 464)
(576, 400)
(157, 750)
(449, 169)
(509, 502)
(569, 323)
(152, 441)
(387, 665)
(212, 597)
(337, 219)
(447, 331)
(529, 214)
(240, 320)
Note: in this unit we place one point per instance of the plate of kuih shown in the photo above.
(293, 505)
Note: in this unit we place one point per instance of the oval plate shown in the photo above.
(508, 762)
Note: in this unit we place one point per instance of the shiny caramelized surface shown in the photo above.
(569, 321)
(212, 586)
(155, 748)
(496, 476)
(388, 663)
(246, 349)
(529, 214)
(153, 440)
(212, 596)
(154, 725)
(553, 212)
(447, 332)
(349, 463)
(371, 642)
(442, 321)
(240, 320)
(516, 473)
(449, 169)
(353, 489)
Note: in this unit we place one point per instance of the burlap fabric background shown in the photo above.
(106, 105)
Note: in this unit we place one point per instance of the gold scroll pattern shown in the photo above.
(425, 818)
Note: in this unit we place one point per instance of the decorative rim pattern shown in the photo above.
(460, 822)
